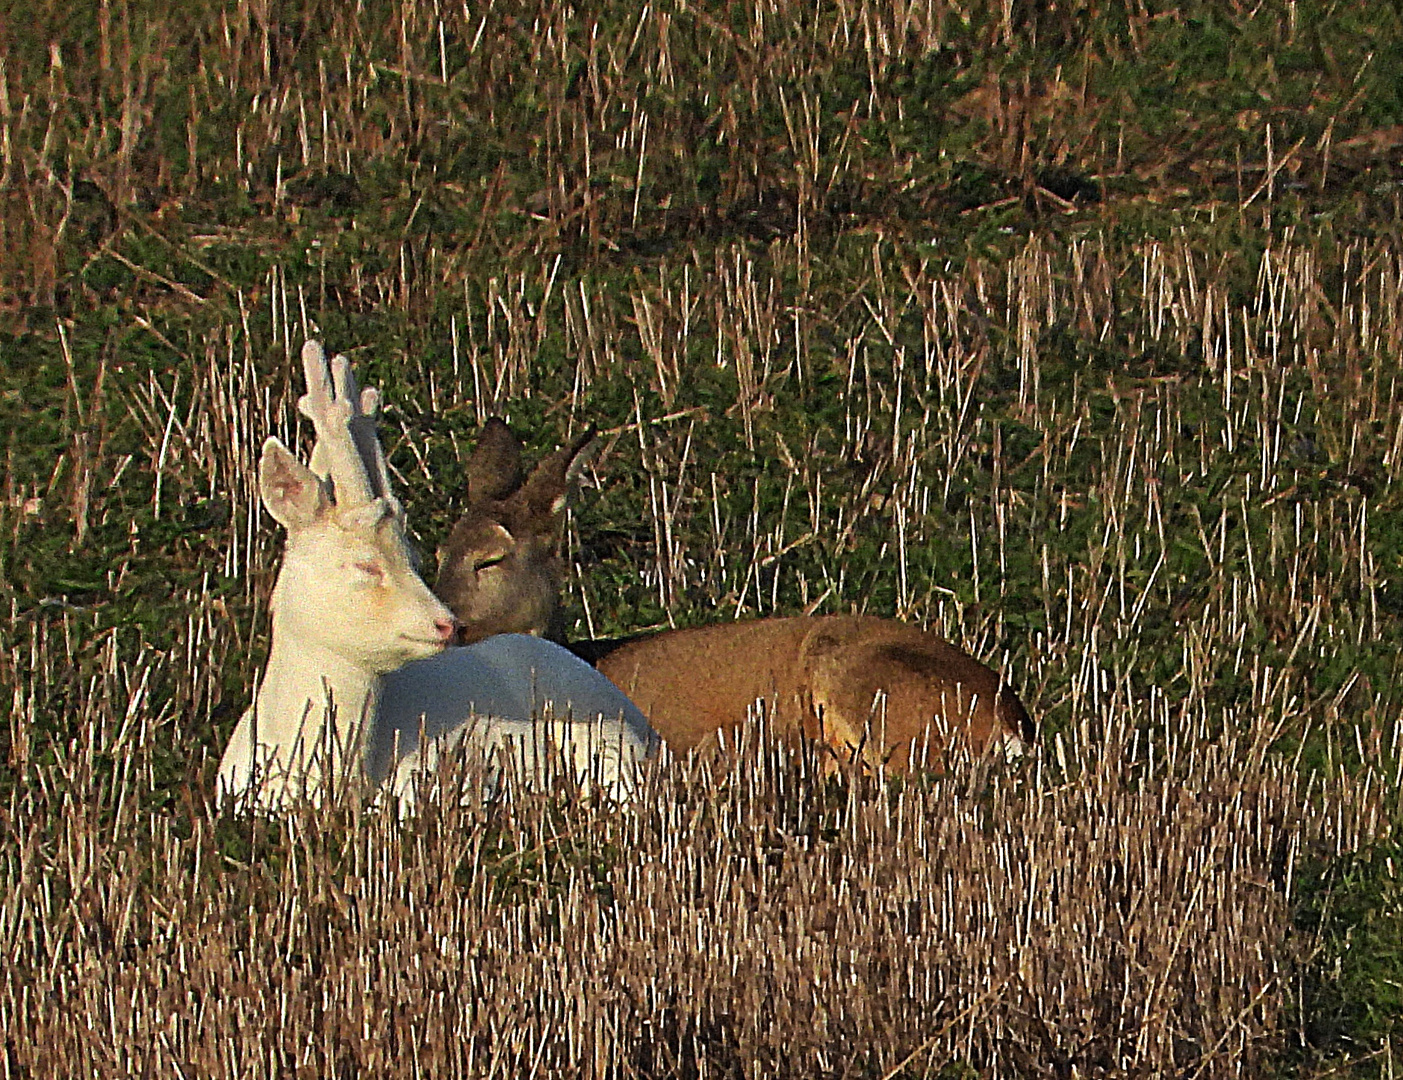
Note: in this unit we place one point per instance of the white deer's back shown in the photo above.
(492, 694)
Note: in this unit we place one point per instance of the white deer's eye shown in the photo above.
(372, 573)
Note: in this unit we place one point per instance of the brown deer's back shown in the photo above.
(690, 683)
(901, 692)
(821, 675)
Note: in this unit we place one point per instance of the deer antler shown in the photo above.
(367, 437)
(334, 407)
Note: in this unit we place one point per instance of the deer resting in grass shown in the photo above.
(880, 690)
(357, 668)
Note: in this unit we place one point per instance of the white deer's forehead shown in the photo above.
(333, 542)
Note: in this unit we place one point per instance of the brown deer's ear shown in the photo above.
(293, 494)
(581, 452)
(494, 470)
(551, 483)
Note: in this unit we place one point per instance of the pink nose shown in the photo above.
(447, 629)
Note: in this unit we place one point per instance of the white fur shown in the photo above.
(522, 693)
(513, 692)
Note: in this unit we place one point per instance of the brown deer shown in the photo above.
(871, 688)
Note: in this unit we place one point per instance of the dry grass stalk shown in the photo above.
(1120, 913)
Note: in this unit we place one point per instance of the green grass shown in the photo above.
(1072, 330)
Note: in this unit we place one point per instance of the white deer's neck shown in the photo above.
(313, 709)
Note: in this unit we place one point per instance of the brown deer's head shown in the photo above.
(499, 570)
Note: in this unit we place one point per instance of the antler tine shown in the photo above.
(317, 377)
(331, 403)
(372, 453)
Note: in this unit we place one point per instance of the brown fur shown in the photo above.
(499, 564)
(875, 688)
(822, 676)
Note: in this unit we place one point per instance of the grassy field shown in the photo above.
(1070, 329)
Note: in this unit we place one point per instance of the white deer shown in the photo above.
(357, 668)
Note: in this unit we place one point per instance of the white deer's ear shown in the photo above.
(292, 493)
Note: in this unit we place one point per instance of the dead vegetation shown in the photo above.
(1112, 910)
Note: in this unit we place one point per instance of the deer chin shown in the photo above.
(411, 647)
(471, 633)
(389, 654)
(423, 646)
